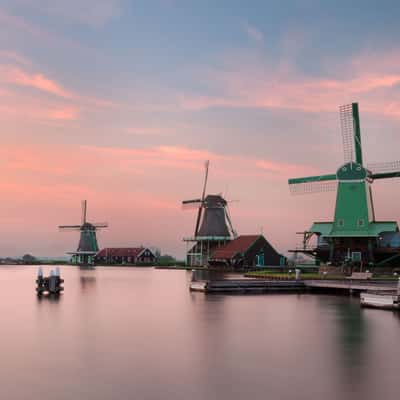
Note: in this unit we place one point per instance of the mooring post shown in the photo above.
(398, 287)
(40, 281)
(298, 274)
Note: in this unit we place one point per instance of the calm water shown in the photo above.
(119, 333)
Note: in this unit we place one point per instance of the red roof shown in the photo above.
(239, 245)
(120, 252)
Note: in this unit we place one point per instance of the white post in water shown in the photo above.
(298, 274)
(40, 272)
(398, 287)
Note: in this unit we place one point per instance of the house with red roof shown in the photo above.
(246, 252)
(125, 255)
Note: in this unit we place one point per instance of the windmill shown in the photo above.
(213, 226)
(354, 234)
(88, 246)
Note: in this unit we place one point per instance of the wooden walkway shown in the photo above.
(266, 286)
(351, 285)
(247, 286)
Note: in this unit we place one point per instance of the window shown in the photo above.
(340, 222)
(361, 223)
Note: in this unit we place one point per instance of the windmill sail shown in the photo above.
(313, 184)
(207, 163)
(312, 187)
(385, 170)
(347, 127)
(84, 208)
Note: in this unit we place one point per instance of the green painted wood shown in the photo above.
(357, 133)
(385, 175)
(319, 178)
(353, 210)
(351, 171)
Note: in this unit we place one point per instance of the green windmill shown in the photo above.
(354, 233)
(88, 246)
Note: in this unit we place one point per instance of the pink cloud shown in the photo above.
(17, 107)
(67, 105)
(37, 81)
(284, 170)
(262, 84)
(133, 188)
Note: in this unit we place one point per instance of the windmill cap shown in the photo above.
(215, 200)
(351, 171)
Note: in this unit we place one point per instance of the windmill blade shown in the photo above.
(207, 164)
(312, 187)
(308, 179)
(195, 201)
(84, 208)
(191, 204)
(98, 225)
(386, 175)
(313, 184)
(347, 128)
(378, 168)
(228, 218)
(69, 227)
(196, 229)
(203, 195)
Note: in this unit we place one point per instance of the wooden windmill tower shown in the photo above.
(354, 234)
(88, 246)
(213, 225)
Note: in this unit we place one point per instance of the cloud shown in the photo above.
(17, 107)
(32, 94)
(265, 83)
(253, 33)
(133, 187)
(15, 75)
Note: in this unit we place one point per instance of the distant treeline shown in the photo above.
(28, 259)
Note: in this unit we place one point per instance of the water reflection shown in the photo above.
(50, 298)
(87, 283)
(140, 333)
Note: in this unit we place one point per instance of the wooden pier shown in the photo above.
(247, 286)
(350, 285)
(268, 286)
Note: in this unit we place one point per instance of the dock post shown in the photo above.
(398, 287)
(40, 281)
(298, 274)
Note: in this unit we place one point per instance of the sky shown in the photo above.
(120, 102)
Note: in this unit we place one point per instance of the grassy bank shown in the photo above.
(267, 274)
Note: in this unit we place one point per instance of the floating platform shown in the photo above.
(389, 300)
(350, 285)
(344, 286)
(247, 286)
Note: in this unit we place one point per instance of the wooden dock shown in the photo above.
(350, 285)
(247, 286)
(268, 286)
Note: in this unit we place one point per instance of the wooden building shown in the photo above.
(125, 256)
(247, 252)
